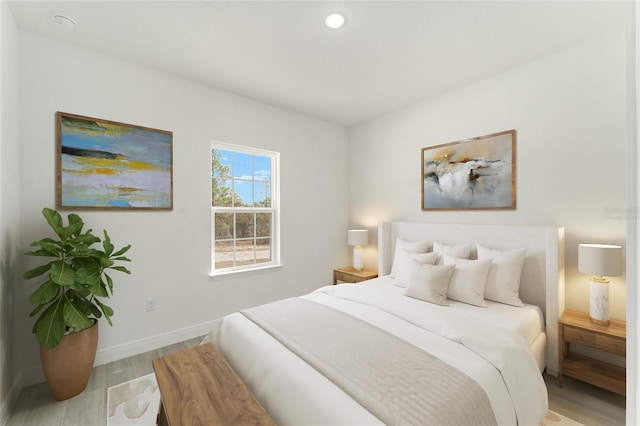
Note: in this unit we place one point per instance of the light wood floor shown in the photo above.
(584, 403)
(35, 406)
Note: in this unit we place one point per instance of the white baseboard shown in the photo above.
(35, 375)
(149, 344)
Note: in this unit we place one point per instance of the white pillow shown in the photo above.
(402, 279)
(462, 251)
(468, 280)
(503, 279)
(410, 246)
(429, 282)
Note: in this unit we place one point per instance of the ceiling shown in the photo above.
(390, 54)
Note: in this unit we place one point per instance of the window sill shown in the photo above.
(226, 275)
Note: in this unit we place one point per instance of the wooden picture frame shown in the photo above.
(106, 165)
(471, 174)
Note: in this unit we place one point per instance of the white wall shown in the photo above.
(171, 249)
(569, 111)
(9, 204)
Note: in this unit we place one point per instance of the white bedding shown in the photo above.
(295, 393)
(527, 321)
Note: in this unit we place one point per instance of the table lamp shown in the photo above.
(357, 238)
(599, 260)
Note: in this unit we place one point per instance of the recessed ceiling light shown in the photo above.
(64, 22)
(334, 21)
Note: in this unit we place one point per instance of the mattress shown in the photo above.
(295, 393)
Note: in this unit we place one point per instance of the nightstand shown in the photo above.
(350, 275)
(575, 327)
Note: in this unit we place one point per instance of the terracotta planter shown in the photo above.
(67, 367)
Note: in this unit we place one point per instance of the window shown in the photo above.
(244, 208)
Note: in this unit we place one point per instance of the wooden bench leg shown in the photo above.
(162, 420)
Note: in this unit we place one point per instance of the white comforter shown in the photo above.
(294, 393)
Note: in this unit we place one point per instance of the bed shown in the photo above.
(382, 352)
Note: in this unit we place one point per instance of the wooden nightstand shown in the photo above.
(575, 327)
(350, 275)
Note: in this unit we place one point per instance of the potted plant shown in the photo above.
(68, 302)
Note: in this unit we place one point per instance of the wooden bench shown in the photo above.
(199, 387)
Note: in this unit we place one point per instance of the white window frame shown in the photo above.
(274, 210)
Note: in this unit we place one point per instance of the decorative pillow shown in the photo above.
(462, 251)
(503, 279)
(429, 282)
(402, 279)
(468, 280)
(410, 246)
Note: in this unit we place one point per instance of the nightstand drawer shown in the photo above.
(611, 344)
(579, 336)
(347, 278)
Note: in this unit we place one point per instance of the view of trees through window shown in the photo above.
(241, 208)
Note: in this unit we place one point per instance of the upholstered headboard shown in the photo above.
(542, 281)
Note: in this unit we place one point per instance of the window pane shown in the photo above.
(221, 163)
(221, 192)
(223, 226)
(263, 225)
(224, 254)
(243, 166)
(262, 194)
(245, 254)
(263, 250)
(262, 168)
(244, 193)
(244, 225)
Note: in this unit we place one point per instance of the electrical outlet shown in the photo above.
(151, 304)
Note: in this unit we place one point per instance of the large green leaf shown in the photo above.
(48, 247)
(37, 271)
(36, 310)
(75, 313)
(86, 239)
(106, 244)
(88, 275)
(109, 283)
(122, 251)
(86, 262)
(45, 240)
(98, 289)
(108, 312)
(94, 310)
(55, 221)
(45, 293)
(75, 223)
(51, 247)
(78, 250)
(121, 269)
(49, 328)
(62, 273)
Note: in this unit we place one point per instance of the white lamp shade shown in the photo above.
(600, 259)
(357, 237)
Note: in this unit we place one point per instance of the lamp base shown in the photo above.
(599, 302)
(597, 321)
(357, 258)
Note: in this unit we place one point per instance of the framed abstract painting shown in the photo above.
(472, 174)
(106, 165)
